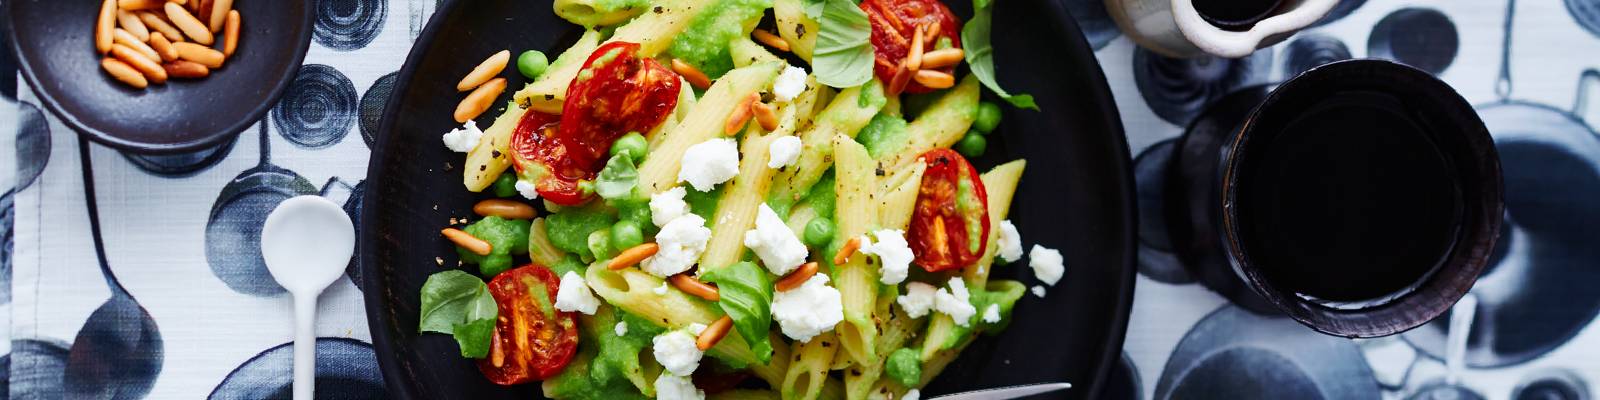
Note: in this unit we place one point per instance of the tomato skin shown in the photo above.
(894, 25)
(616, 92)
(532, 340)
(940, 234)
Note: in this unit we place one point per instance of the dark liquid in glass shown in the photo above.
(1349, 201)
(1235, 13)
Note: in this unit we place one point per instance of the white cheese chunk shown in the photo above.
(789, 84)
(780, 251)
(463, 139)
(676, 352)
(1010, 242)
(1046, 264)
(894, 255)
(956, 302)
(1038, 290)
(527, 190)
(784, 152)
(918, 300)
(673, 387)
(681, 242)
(621, 329)
(912, 394)
(574, 295)
(709, 163)
(661, 290)
(808, 310)
(991, 314)
(667, 206)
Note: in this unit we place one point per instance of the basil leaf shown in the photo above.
(457, 303)
(746, 292)
(843, 56)
(980, 55)
(813, 8)
(618, 178)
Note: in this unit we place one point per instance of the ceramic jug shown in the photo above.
(1176, 28)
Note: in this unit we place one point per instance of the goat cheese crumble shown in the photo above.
(912, 394)
(1038, 290)
(918, 300)
(621, 329)
(772, 240)
(809, 310)
(789, 84)
(463, 139)
(894, 254)
(681, 242)
(783, 152)
(673, 387)
(667, 206)
(527, 190)
(1010, 242)
(709, 163)
(956, 302)
(1046, 264)
(676, 352)
(991, 314)
(574, 295)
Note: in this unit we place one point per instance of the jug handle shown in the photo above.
(1589, 81)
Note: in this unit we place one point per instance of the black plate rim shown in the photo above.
(1111, 352)
(210, 140)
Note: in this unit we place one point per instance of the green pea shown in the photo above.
(532, 63)
(626, 234)
(819, 232)
(632, 143)
(505, 185)
(988, 117)
(600, 244)
(972, 145)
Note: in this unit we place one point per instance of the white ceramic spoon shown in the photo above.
(306, 242)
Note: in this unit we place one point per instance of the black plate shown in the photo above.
(1077, 196)
(54, 43)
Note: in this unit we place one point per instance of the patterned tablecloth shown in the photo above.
(160, 297)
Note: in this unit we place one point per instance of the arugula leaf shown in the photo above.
(843, 56)
(618, 178)
(980, 55)
(457, 303)
(746, 292)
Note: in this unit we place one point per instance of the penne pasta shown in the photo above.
(746, 52)
(795, 27)
(540, 250)
(488, 159)
(941, 125)
(705, 121)
(653, 31)
(856, 280)
(897, 196)
(594, 13)
(845, 115)
(808, 373)
(549, 92)
(1000, 184)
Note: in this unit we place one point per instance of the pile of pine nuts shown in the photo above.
(149, 41)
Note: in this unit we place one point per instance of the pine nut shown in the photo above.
(124, 38)
(206, 56)
(713, 333)
(848, 250)
(769, 39)
(145, 65)
(914, 57)
(180, 2)
(633, 255)
(163, 48)
(902, 78)
(485, 71)
(185, 69)
(696, 78)
(131, 23)
(934, 29)
(219, 14)
(797, 277)
(942, 58)
(103, 26)
(934, 79)
(125, 73)
(695, 287)
(467, 241)
(508, 209)
(765, 115)
(139, 4)
(479, 100)
(740, 115)
(191, 26)
(230, 41)
(154, 21)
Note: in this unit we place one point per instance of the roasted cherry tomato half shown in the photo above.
(616, 92)
(894, 25)
(951, 219)
(532, 340)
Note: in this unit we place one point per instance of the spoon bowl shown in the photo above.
(306, 242)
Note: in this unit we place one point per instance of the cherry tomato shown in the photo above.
(532, 340)
(951, 219)
(616, 92)
(894, 25)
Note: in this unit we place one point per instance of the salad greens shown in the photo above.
(980, 55)
(459, 304)
(843, 57)
(507, 236)
(746, 296)
(618, 178)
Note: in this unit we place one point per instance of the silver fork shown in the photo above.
(1006, 393)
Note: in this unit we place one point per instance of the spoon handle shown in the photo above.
(305, 345)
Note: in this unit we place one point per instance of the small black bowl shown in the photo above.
(54, 44)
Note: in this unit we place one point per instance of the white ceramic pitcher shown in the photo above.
(1175, 29)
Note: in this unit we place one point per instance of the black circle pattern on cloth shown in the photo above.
(1177, 89)
(181, 165)
(317, 109)
(1311, 50)
(372, 104)
(346, 25)
(1420, 37)
(346, 369)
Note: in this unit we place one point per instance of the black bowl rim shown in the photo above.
(1411, 309)
(207, 141)
(1111, 352)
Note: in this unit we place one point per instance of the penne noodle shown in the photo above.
(1000, 184)
(939, 126)
(809, 372)
(856, 280)
(705, 121)
(846, 115)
